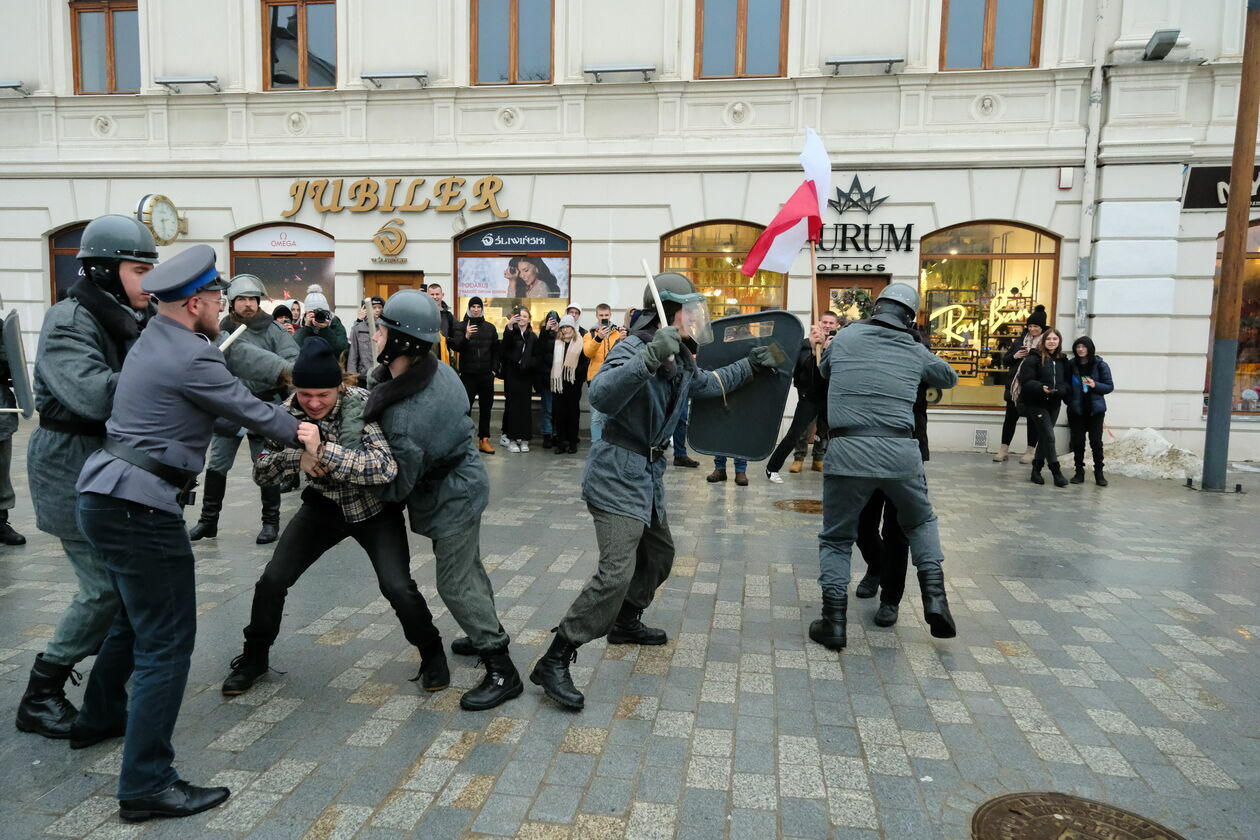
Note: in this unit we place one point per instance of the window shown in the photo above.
(106, 38)
(990, 34)
(511, 42)
(63, 259)
(289, 259)
(741, 38)
(710, 254)
(980, 281)
(513, 264)
(299, 44)
(1247, 369)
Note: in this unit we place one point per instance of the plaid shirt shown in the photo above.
(350, 471)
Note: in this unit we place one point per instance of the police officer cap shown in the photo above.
(184, 274)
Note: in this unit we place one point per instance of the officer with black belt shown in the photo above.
(172, 389)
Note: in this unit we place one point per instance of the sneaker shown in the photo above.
(523, 444)
(513, 446)
(504, 440)
(774, 477)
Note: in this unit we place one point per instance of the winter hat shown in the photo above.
(1038, 317)
(315, 300)
(1089, 347)
(378, 299)
(316, 365)
(574, 306)
(475, 301)
(315, 289)
(568, 321)
(282, 310)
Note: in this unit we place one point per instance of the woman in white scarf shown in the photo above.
(568, 372)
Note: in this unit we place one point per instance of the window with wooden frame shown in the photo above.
(299, 44)
(106, 35)
(511, 42)
(990, 34)
(63, 259)
(740, 39)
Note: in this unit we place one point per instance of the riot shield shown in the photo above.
(745, 423)
(16, 354)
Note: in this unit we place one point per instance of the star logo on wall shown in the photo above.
(856, 197)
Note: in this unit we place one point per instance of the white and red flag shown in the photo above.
(800, 218)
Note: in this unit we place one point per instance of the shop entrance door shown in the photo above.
(831, 289)
(385, 283)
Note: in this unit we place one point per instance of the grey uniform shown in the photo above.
(623, 484)
(260, 373)
(8, 425)
(424, 414)
(874, 374)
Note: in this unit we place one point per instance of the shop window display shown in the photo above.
(1247, 371)
(289, 259)
(63, 249)
(509, 265)
(710, 255)
(980, 282)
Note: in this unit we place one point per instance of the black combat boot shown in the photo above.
(434, 675)
(247, 669)
(501, 683)
(630, 630)
(552, 673)
(886, 615)
(207, 527)
(935, 605)
(8, 536)
(1036, 473)
(1099, 478)
(830, 631)
(44, 709)
(868, 586)
(1060, 480)
(270, 516)
(1078, 477)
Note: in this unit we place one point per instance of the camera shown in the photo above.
(321, 316)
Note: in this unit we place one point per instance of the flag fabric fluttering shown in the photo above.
(800, 218)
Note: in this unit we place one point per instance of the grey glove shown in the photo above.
(664, 344)
(761, 357)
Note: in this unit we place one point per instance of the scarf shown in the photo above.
(118, 321)
(414, 380)
(564, 362)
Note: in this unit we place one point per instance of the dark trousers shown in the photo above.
(886, 550)
(806, 413)
(1080, 425)
(480, 387)
(150, 563)
(566, 412)
(518, 421)
(1010, 421)
(318, 526)
(1042, 418)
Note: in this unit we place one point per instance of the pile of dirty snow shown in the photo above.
(1145, 453)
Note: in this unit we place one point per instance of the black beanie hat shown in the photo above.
(1038, 317)
(316, 365)
(475, 301)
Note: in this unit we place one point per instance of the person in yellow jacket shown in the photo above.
(596, 346)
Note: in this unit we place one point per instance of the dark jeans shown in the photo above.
(806, 413)
(318, 526)
(886, 551)
(518, 421)
(1042, 418)
(150, 563)
(566, 412)
(680, 431)
(1010, 421)
(480, 387)
(1080, 425)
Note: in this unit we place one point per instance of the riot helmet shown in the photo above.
(678, 293)
(109, 240)
(413, 324)
(897, 306)
(245, 285)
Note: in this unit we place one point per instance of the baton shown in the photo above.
(236, 333)
(656, 297)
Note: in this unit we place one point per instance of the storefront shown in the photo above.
(510, 265)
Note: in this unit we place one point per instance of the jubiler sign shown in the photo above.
(850, 247)
(388, 196)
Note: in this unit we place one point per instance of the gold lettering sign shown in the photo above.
(367, 194)
(952, 323)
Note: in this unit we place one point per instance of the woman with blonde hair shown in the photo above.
(1044, 381)
(568, 372)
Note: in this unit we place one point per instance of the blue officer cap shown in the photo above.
(184, 274)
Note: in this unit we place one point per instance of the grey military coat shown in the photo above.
(257, 371)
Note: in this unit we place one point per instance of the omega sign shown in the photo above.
(858, 248)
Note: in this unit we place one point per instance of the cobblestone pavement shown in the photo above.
(1107, 648)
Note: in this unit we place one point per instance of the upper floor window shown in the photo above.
(299, 44)
(106, 37)
(741, 38)
(990, 34)
(511, 42)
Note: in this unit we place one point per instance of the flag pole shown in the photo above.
(813, 279)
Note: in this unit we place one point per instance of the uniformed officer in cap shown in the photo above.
(173, 387)
(875, 367)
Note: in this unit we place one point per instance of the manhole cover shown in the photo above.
(1054, 816)
(800, 505)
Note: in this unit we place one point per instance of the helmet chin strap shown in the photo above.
(398, 345)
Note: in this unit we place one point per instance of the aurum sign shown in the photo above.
(389, 196)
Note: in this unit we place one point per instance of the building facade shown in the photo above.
(999, 155)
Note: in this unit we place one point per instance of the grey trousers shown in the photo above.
(843, 499)
(223, 451)
(464, 587)
(633, 561)
(86, 621)
(7, 497)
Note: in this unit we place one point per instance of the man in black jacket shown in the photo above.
(477, 342)
(811, 397)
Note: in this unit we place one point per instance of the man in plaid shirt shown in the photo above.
(346, 458)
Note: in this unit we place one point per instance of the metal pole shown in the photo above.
(1089, 181)
(813, 279)
(1233, 262)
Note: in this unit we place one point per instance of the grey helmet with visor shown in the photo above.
(678, 293)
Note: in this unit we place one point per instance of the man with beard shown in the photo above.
(173, 388)
(261, 375)
(82, 344)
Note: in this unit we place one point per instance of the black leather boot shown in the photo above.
(1036, 473)
(886, 615)
(434, 675)
(270, 516)
(8, 536)
(551, 672)
(463, 646)
(630, 630)
(247, 669)
(935, 605)
(501, 683)
(207, 527)
(830, 631)
(1078, 477)
(868, 586)
(1059, 479)
(44, 709)
(1099, 478)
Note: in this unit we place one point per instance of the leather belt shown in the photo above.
(652, 453)
(185, 480)
(869, 431)
(76, 426)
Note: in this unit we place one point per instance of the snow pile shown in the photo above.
(1145, 453)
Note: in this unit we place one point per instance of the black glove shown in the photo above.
(761, 357)
(664, 344)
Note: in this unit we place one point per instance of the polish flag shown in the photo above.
(799, 220)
